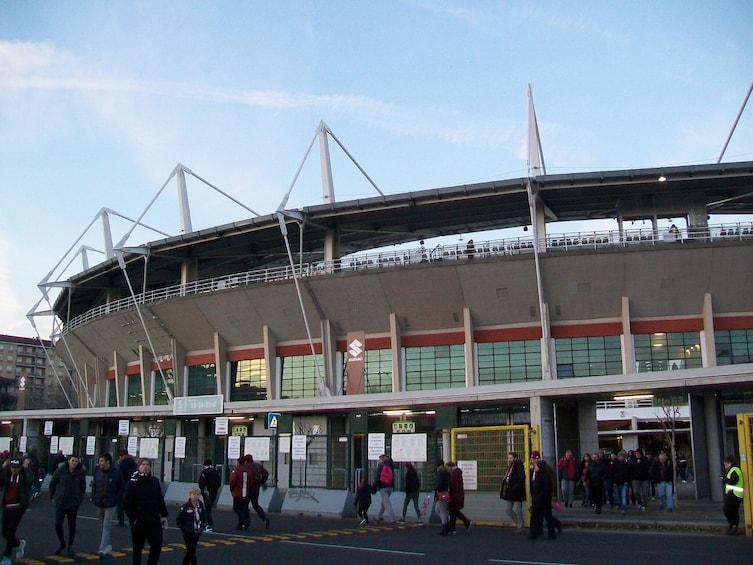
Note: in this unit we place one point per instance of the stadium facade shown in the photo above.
(321, 336)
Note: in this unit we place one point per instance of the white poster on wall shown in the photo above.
(377, 446)
(124, 427)
(54, 441)
(5, 443)
(149, 447)
(298, 448)
(21, 444)
(66, 444)
(48, 428)
(233, 448)
(221, 426)
(409, 448)
(470, 474)
(133, 445)
(284, 443)
(180, 447)
(91, 445)
(258, 447)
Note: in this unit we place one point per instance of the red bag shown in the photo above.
(443, 495)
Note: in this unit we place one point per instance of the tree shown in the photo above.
(667, 410)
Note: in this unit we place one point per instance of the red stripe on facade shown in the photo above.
(110, 375)
(587, 330)
(452, 338)
(507, 334)
(667, 326)
(201, 359)
(245, 354)
(163, 364)
(301, 349)
(734, 323)
(133, 369)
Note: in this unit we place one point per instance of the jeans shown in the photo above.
(60, 515)
(106, 516)
(240, 507)
(385, 493)
(191, 541)
(209, 501)
(11, 519)
(514, 509)
(568, 491)
(414, 497)
(441, 507)
(640, 490)
(664, 493)
(621, 495)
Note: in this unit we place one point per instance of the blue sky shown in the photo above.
(99, 101)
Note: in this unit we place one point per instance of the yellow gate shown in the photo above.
(745, 438)
(488, 446)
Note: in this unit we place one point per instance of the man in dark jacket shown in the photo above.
(457, 497)
(541, 501)
(596, 472)
(513, 490)
(639, 469)
(67, 491)
(127, 466)
(259, 476)
(107, 488)
(15, 497)
(144, 504)
(621, 481)
(209, 485)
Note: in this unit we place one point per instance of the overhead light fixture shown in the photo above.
(662, 178)
(396, 412)
(635, 397)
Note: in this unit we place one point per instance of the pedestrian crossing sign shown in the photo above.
(272, 420)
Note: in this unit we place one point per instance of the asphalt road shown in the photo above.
(313, 541)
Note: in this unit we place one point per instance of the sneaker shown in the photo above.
(108, 549)
(21, 549)
(6, 560)
(419, 523)
(400, 522)
(363, 521)
(209, 529)
(468, 525)
(101, 554)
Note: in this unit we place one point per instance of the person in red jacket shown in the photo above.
(240, 489)
(568, 473)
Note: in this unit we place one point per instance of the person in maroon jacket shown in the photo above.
(240, 489)
(457, 497)
(568, 473)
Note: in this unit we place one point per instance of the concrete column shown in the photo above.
(708, 345)
(712, 458)
(396, 343)
(120, 378)
(626, 339)
(147, 382)
(329, 355)
(588, 427)
(542, 415)
(470, 365)
(179, 367)
(220, 363)
(270, 357)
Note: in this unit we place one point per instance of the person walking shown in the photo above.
(442, 497)
(384, 483)
(191, 519)
(733, 494)
(107, 488)
(128, 466)
(15, 495)
(513, 491)
(362, 501)
(209, 485)
(240, 489)
(639, 471)
(665, 482)
(596, 472)
(144, 504)
(67, 491)
(259, 476)
(621, 481)
(412, 490)
(567, 468)
(457, 498)
(541, 501)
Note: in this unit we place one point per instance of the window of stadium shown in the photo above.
(248, 380)
(733, 346)
(134, 396)
(434, 367)
(667, 351)
(509, 362)
(299, 376)
(160, 396)
(202, 380)
(377, 375)
(588, 356)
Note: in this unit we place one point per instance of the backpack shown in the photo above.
(385, 475)
(259, 474)
(211, 480)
